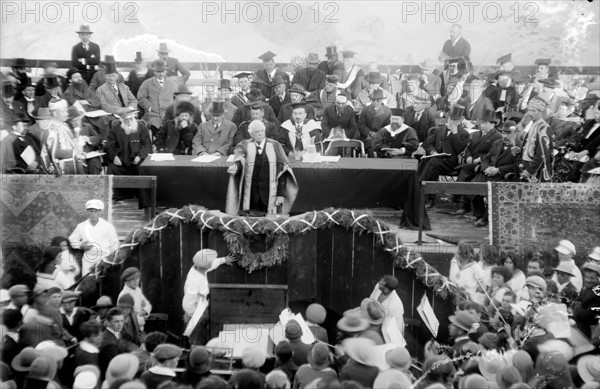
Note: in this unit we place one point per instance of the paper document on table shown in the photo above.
(96, 114)
(330, 158)
(391, 332)
(206, 158)
(436, 155)
(426, 312)
(93, 154)
(162, 157)
(28, 155)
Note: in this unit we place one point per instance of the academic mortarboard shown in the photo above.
(504, 59)
(267, 56)
(543, 61)
(242, 75)
(348, 54)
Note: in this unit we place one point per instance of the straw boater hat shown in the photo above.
(352, 323)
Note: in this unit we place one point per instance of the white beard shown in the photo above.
(132, 129)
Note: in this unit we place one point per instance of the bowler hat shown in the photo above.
(163, 48)
(185, 106)
(159, 65)
(198, 360)
(330, 50)
(166, 351)
(130, 273)
(377, 94)
(489, 115)
(83, 29)
(138, 57)
(277, 80)
(72, 71)
(203, 258)
(374, 78)
(110, 65)
(318, 356)
(456, 112)
(312, 58)
(103, 302)
(51, 81)
(19, 63)
(42, 368)
(509, 126)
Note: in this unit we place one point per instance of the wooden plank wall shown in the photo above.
(335, 267)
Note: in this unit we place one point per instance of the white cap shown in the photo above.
(566, 247)
(341, 99)
(94, 204)
(595, 254)
(85, 380)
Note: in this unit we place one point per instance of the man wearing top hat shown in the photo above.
(333, 66)
(86, 139)
(78, 90)
(281, 96)
(396, 140)
(450, 75)
(456, 46)
(296, 93)
(449, 140)
(364, 96)
(310, 77)
(373, 118)
(28, 99)
(99, 77)
(113, 95)
(18, 76)
(261, 178)
(264, 77)
(127, 145)
(155, 95)
(175, 136)
(174, 67)
(339, 115)
(138, 75)
(51, 69)
(52, 91)
(214, 137)
(353, 75)
(85, 55)
(183, 94)
(272, 130)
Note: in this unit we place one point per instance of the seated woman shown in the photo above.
(48, 274)
(465, 272)
(512, 262)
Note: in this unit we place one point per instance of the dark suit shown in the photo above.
(243, 115)
(407, 139)
(285, 113)
(174, 67)
(336, 68)
(172, 110)
(273, 131)
(462, 48)
(370, 121)
(480, 144)
(92, 59)
(591, 143)
(425, 123)
(110, 347)
(134, 81)
(9, 349)
(15, 107)
(40, 89)
(312, 82)
(511, 98)
(172, 138)
(276, 103)
(264, 83)
(346, 120)
(442, 141)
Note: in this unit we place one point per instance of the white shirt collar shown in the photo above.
(262, 144)
(399, 130)
(116, 334)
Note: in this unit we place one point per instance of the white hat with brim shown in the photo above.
(588, 368)
(595, 254)
(490, 364)
(203, 259)
(122, 366)
(565, 267)
(566, 247)
(359, 350)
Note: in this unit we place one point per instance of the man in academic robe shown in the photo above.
(339, 115)
(20, 150)
(85, 55)
(333, 66)
(302, 131)
(538, 146)
(114, 95)
(174, 67)
(155, 95)
(508, 98)
(240, 97)
(456, 46)
(310, 77)
(364, 96)
(444, 144)
(353, 75)
(565, 125)
(396, 140)
(215, 137)
(272, 130)
(263, 79)
(261, 177)
(372, 119)
(297, 94)
(281, 96)
(419, 116)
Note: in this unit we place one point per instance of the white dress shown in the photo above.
(468, 277)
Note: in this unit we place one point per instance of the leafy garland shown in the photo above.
(236, 229)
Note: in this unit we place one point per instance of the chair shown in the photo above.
(352, 144)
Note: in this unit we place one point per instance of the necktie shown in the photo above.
(216, 126)
(119, 95)
(160, 82)
(417, 117)
(339, 114)
(258, 149)
(85, 46)
(298, 146)
(269, 77)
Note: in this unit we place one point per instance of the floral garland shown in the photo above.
(235, 228)
(249, 260)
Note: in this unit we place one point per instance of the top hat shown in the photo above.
(374, 78)
(8, 89)
(138, 57)
(110, 64)
(543, 61)
(456, 112)
(377, 95)
(348, 54)
(159, 65)
(217, 108)
(330, 50)
(489, 115)
(163, 48)
(84, 30)
(226, 84)
(51, 81)
(19, 63)
(312, 58)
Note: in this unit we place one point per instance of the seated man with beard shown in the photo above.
(127, 146)
(175, 136)
(396, 140)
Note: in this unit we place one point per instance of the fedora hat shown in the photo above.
(22, 362)
(318, 356)
(122, 366)
(312, 58)
(163, 48)
(43, 368)
(428, 64)
(377, 95)
(51, 81)
(359, 349)
(84, 29)
(462, 320)
(352, 323)
(374, 78)
(110, 65)
(159, 65)
(330, 50)
(489, 115)
(372, 310)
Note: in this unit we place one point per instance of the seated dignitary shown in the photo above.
(20, 150)
(281, 96)
(372, 119)
(327, 96)
(127, 146)
(242, 113)
(215, 136)
(175, 136)
(419, 116)
(156, 95)
(444, 144)
(183, 94)
(301, 130)
(261, 177)
(113, 95)
(296, 96)
(273, 131)
(340, 115)
(364, 96)
(311, 78)
(538, 146)
(396, 140)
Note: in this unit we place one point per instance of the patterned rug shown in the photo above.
(35, 208)
(526, 216)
